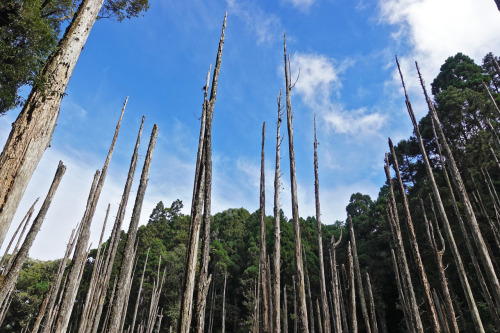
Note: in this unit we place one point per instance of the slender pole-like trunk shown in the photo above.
(335, 283)
(285, 312)
(263, 255)
(402, 296)
(126, 269)
(295, 309)
(318, 313)
(400, 251)
(343, 303)
(270, 294)
(440, 312)
(309, 296)
(373, 315)
(295, 204)
(357, 271)
(32, 131)
(491, 97)
(277, 228)
(193, 242)
(224, 304)
(414, 246)
(352, 290)
(449, 234)
(8, 282)
(108, 311)
(322, 281)
(438, 253)
(139, 294)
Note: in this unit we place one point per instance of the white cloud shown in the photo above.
(437, 29)
(267, 27)
(301, 4)
(319, 87)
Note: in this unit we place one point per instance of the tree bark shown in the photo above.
(373, 315)
(402, 296)
(295, 309)
(7, 283)
(295, 204)
(335, 283)
(414, 247)
(322, 281)
(285, 312)
(139, 294)
(352, 289)
(318, 313)
(359, 279)
(309, 296)
(224, 304)
(32, 131)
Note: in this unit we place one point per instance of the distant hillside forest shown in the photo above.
(441, 239)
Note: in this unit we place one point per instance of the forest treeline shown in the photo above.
(422, 256)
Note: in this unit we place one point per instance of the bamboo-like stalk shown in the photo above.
(8, 282)
(295, 204)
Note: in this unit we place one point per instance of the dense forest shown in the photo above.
(423, 256)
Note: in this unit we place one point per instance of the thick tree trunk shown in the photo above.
(295, 204)
(193, 242)
(322, 281)
(414, 247)
(277, 228)
(263, 254)
(373, 315)
(352, 291)
(7, 283)
(451, 240)
(398, 242)
(32, 131)
(357, 270)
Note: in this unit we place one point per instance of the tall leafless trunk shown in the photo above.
(263, 254)
(401, 255)
(322, 281)
(352, 290)
(285, 312)
(139, 293)
(309, 296)
(414, 247)
(373, 315)
(32, 131)
(451, 240)
(357, 270)
(318, 313)
(8, 282)
(295, 203)
(439, 308)
(193, 242)
(402, 295)
(277, 227)
(124, 277)
(295, 309)
(224, 304)
(343, 303)
(335, 283)
(270, 293)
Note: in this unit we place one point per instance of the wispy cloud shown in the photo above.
(319, 86)
(301, 4)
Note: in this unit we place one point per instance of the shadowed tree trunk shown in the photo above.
(402, 296)
(224, 304)
(414, 246)
(318, 313)
(295, 204)
(373, 315)
(352, 290)
(32, 131)
(285, 312)
(309, 296)
(198, 193)
(277, 230)
(295, 310)
(8, 281)
(335, 283)
(139, 293)
(322, 281)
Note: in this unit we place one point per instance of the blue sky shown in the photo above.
(344, 51)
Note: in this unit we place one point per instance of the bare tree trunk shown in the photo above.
(193, 242)
(5, 307)
(343, 304)
(373, 315)
(357, 271)
(270, 294)
(442, 318)
(322, 281)
(124, 278)
(110, 304)
(309, 296)
(352, 289)
(295, 204)
(211, 323)
(295, 309)
(285, 312)
(335, 283)
(32, 131)
(263, 255)
(277, 227)
(439, 259)
(491, 97)
(7, 283)
(414, 247)
(318, 313)
(402, 296)
(224, 304)
(139, 293)
(451, 240)
(398, 241)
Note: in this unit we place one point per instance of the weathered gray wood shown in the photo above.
(295, 204)
(402, 296)
(224, 304)
(352, 290)
(318, 313)
(285, 312)
(337, 323)
(32, 131)
(139, 293)
(322, 281)
(8, 281)
(373, 315)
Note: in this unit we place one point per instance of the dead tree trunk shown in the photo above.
(193, 242)
(309, 296)
(32, 131)
(295, 309)
(322, 281)
(139, 294)
(414, 246)
(263, 254)
(402, 296)
(270, 294)
(295, 203)
(8, 282)
(438, 253)
(277, 228)
(126, 269)
(343, 303)
(318, 313)
(398, 242)
(357, 271)
(335, 283)
(224, 304)
(285, 312)
(373, 315)
(352, 289)
(451, 240)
